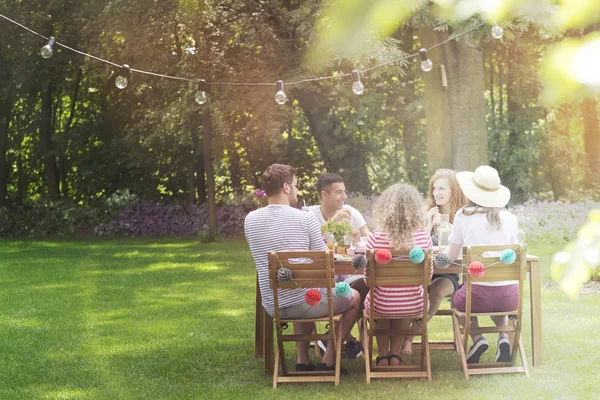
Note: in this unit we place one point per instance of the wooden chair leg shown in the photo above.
(523, 358)
(338, 351)
(267, 342)
(461, 348)
(276, 369)
(366, 351)
(281, 351)
(425, 338)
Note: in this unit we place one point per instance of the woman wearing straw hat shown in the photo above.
(483, 221)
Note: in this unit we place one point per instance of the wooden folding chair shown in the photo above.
(496, 272)
(310, 269)
(400, 271)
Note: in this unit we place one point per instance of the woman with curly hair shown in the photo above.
(399, 219)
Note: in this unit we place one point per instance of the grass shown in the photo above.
(174, 319)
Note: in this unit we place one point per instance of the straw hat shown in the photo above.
(483, 187)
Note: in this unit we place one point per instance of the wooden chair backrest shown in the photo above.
(400, 271)
(310, 269)
(490, 254)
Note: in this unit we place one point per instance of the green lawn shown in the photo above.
(142, 318)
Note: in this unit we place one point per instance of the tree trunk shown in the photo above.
(5, 114)
(210, 176)
(199, 176)
(234, 168)
(435, 103)
(456, 127)
(410, 132)
(46, 142)
(591, 140)
(350, 161)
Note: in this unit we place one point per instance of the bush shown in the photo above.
(43, 217)
(151, 219)
(364, 204)
(552, 222)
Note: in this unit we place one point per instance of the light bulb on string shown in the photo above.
(123, 78)
(357, 85)
(48, 49)
(280, 97)
(201, 97)
(426, 64)
(497, 31)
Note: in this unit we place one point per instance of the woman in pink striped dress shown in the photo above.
(400, 221)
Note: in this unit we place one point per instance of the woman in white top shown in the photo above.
(485, 221)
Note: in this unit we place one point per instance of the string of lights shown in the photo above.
(201, 97)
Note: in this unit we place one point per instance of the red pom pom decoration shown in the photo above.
(383, 256)
(476, 269)
(312, 297)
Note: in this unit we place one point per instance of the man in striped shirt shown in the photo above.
(279, 227)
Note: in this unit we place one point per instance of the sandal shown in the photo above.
(396, 356)
(381, 359)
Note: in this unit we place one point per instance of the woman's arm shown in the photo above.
(453, 251)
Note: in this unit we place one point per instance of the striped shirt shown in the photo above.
(280, 228)
(397, 301)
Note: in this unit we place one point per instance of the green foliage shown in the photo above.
(148, 139)
(43, 217)
(338, 229)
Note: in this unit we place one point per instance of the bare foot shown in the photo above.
(407, 345)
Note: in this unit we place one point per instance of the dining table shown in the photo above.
(263, 327)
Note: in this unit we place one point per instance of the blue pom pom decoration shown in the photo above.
(342, 289)
(508, 256)
(441, 261)
(416, 255)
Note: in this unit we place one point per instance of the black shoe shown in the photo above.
(353, 349)
(324, 367)
(503, 354)
(322, 344)
(305, 367)
(477, 350)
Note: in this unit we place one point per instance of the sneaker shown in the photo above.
(324, 367)
(503, 353)
(353, 349)
(477, 350)
(305, 367)
(322, 345)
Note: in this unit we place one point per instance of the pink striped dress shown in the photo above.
(397, 301)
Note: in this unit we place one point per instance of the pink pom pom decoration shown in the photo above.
(312, 297)
(476, 269)
(383, 256)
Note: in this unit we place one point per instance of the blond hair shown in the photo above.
(399, 213)
(457, 200)
(492, 214)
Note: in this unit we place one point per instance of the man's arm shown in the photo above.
(364, 230)
(315, 237)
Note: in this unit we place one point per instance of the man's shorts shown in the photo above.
(303, 310)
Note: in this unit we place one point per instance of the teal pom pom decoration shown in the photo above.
(508, 256)
(342, 289)
(416, 255)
